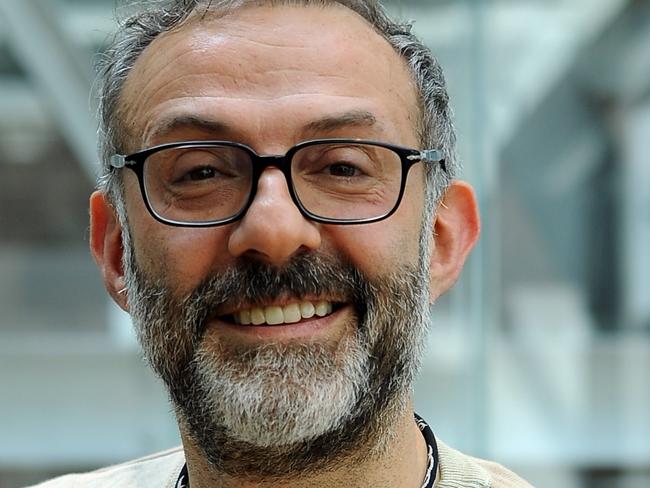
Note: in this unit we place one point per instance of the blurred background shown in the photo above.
(539, 358)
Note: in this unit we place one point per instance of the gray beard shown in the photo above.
(283, 410)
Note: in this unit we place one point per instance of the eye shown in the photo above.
(346, 170)
(202, 165)
(343, 161)
(201, 173)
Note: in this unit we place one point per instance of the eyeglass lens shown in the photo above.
(331, 180)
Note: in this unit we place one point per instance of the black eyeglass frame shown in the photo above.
(409, 157)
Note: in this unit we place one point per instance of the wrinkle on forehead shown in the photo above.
(269, 56)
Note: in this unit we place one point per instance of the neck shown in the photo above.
(401, 463)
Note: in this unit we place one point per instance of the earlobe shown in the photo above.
(106, 246)
(455, 231)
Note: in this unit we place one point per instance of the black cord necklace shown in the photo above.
(432, 455)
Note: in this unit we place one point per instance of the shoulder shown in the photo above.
(158, 470)
(457, 469)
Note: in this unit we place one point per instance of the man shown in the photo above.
(277, 211)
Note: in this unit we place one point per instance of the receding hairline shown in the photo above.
(209, 13)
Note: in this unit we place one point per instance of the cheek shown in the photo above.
(180, 257)
(379, 248)
(377, 253)
(386, 245)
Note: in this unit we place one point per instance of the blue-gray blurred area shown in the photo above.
(539, 358)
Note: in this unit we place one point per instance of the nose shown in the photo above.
(273, 228)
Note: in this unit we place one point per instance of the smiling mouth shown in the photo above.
(291, 313)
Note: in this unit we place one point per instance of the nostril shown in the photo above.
(255, 255)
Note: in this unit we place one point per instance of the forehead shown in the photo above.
(270, 67)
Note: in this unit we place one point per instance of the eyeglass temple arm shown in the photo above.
(429, 156)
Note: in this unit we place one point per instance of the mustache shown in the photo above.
(253, 282)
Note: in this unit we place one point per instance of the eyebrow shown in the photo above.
(355, 118)
(185, 121)
(329, 123)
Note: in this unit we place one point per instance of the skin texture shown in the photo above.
(261, 77)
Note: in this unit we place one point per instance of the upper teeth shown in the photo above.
(289, 314)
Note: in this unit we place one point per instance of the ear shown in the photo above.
(106, 246)
(455, 231)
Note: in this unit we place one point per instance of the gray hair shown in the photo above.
(140, 29)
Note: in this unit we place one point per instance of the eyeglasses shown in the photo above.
(333, 181)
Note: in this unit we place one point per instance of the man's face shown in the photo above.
(270, 78)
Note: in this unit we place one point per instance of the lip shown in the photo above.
(305, 329)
